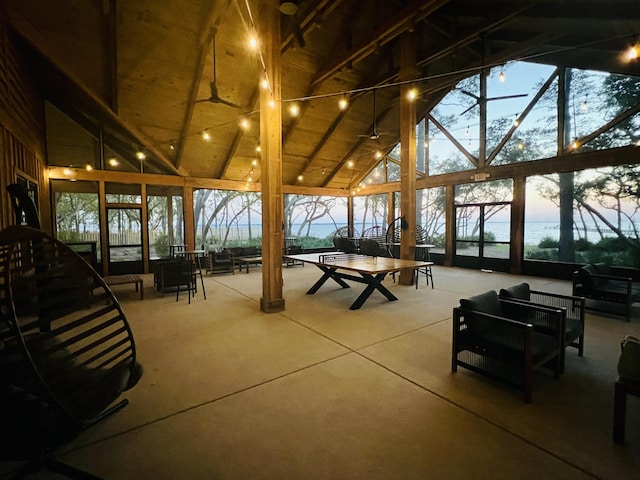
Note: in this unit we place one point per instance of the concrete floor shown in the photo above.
(321, 392)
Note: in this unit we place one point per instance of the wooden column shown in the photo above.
(450, 224)
(104, 228)
(189, 223)
(271, 161)
(144, 219)
(407, 72)
(516, 253)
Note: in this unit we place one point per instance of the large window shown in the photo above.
(370, 211)
(310, 220)
(604, 218)
(165, 218)
(227, 218)
(76, 212)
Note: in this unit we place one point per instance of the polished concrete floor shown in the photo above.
(322, 392)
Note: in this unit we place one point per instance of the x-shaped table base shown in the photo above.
(373, 282)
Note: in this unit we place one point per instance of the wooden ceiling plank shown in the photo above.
(207, 31)
(414, 12)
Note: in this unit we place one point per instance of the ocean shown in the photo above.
(534, 232)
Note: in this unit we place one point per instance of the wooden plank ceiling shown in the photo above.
(145, 68)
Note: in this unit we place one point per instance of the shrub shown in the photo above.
(548, 242)
(583, 245)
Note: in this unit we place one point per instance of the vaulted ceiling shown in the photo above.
(145, 67)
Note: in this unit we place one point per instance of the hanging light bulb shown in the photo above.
(172, 146)
(350, 164)
(378, 154)
(300, 178)
(502, 77)
(113, 162)
(67, 171)
(88, 167)
(412, 94)
(632, 53)
(206, 136)
(343, 103)
(516, 122)
(253, 42)
(294, 109)
(575, 144)
(244, 124)
(140, 155)
(585, 105)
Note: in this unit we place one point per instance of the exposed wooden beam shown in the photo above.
(236, 140)
(414, 12)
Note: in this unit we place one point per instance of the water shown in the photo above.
(534, 232)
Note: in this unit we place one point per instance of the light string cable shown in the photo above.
(399, 83)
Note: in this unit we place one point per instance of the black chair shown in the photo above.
(575, 307)
(497, 338)
(66, 350)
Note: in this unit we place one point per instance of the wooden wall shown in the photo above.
(22, 135)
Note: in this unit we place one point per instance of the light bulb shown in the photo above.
(294, 109)
(300, 178)
(88, 167)
(140, 155)
(350, 164)
(205, 136)
(632, 53)
(253, 42)
(501, 77)
(412, 94)
(343, 103)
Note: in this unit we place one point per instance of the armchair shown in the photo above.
(497, 338)
(608, 284)
(574, 306)
(65, 356)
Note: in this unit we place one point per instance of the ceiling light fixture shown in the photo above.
(288, 8)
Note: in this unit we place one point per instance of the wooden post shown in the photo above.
(450, 224)
(104, 228)
(407, 72)
(517, 225)
(189, 223)
(271, 161)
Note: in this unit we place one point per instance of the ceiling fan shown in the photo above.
(215, 97)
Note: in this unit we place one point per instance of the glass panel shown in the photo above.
(310, 221)
(226, 218)
(605, 221)
(123, 193)
(432, 215)
(165, 217)
(70, 144)
(467, 231)
(370, 211)
(484, 192)
(76, 212)
(497, 223)
(125, 234)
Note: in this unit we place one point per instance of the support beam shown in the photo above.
(408, 71)
(271, 162)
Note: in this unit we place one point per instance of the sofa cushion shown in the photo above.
(520, 292)
(487, 302)
(249, 251)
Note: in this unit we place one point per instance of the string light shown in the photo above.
(300, 178)
(253, 42)
(412, 94)
(140, 155)
(294, 109)
(350, 164)
(67, 171)
(516, 122)
(575, 144)
(114, 162)
(88, 167)
(502, 76)
(343, 103)
(172, 146)
(632, 53)
(206, 136)
(585, 104)
(244, 124)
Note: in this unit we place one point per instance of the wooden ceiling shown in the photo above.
(144, 68)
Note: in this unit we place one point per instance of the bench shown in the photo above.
(113, 280)
(603, 283)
